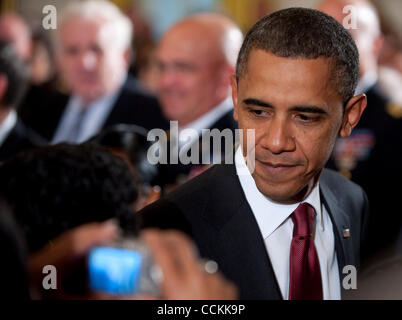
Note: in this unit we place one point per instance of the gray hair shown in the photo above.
(121, 26)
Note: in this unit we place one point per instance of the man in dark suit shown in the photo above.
(371, 156)
(276, 222)
(14, 136)
(94, 40)
(195, 59)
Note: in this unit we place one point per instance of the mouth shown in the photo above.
(171, 95)
(277, 168)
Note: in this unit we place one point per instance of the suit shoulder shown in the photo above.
(337, 181)
(341, 186)
(195, 187)
(164, 215)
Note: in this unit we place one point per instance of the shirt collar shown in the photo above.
(269, 214)
(7, 125)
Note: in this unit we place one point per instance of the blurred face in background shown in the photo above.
(13, 29)
(90, 61)
(194, 76)
(367, 35)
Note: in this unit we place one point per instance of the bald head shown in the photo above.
(14, 30)
(367, 33)
(217, 33)
(196, 58)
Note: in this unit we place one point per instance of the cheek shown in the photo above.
(67, 65)
(317, 148)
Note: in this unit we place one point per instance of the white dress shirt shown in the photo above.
(7, 125)
(92, 122)
(276, 227)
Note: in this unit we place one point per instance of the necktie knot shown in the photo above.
(303, 218)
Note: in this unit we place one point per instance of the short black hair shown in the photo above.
(56, 188)
(305, 33)
(17, 73)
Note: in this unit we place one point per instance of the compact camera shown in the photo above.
(124, 268)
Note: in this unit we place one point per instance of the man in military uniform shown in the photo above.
(372, 156)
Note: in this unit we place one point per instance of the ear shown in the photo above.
(3, 86)
(353, 111)
(127, 56)
(233, 83)
(225, 72)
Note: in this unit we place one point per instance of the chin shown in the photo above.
(171, 114)
(282, 193)
(92, 93)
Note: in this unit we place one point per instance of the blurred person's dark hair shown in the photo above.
(307, 34)
(130, 140)
(14, 283)
(54, 189)
(17, 74)
(16, 31)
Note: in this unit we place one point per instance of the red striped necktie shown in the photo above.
(305, 275)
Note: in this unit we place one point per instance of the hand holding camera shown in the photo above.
(159, 265)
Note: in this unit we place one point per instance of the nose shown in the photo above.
(88, 61)
(278, 136)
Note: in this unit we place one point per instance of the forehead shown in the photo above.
(190, 43)
(80, 30)
(286, 79)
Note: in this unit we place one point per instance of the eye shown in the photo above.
(306, 118)
(71, 50)
(161, 67)
(96, 49)
(259, 112)
(184, 67)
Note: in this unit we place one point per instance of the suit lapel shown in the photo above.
(340, 221)
(15, 141)
(238, 242)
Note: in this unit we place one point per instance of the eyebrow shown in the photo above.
(309, 109)
(257, 102)
(298, 108)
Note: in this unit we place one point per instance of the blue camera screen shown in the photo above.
(114, 270)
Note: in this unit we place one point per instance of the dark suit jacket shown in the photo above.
(131, 107)
(19, 139)
(212, 208)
